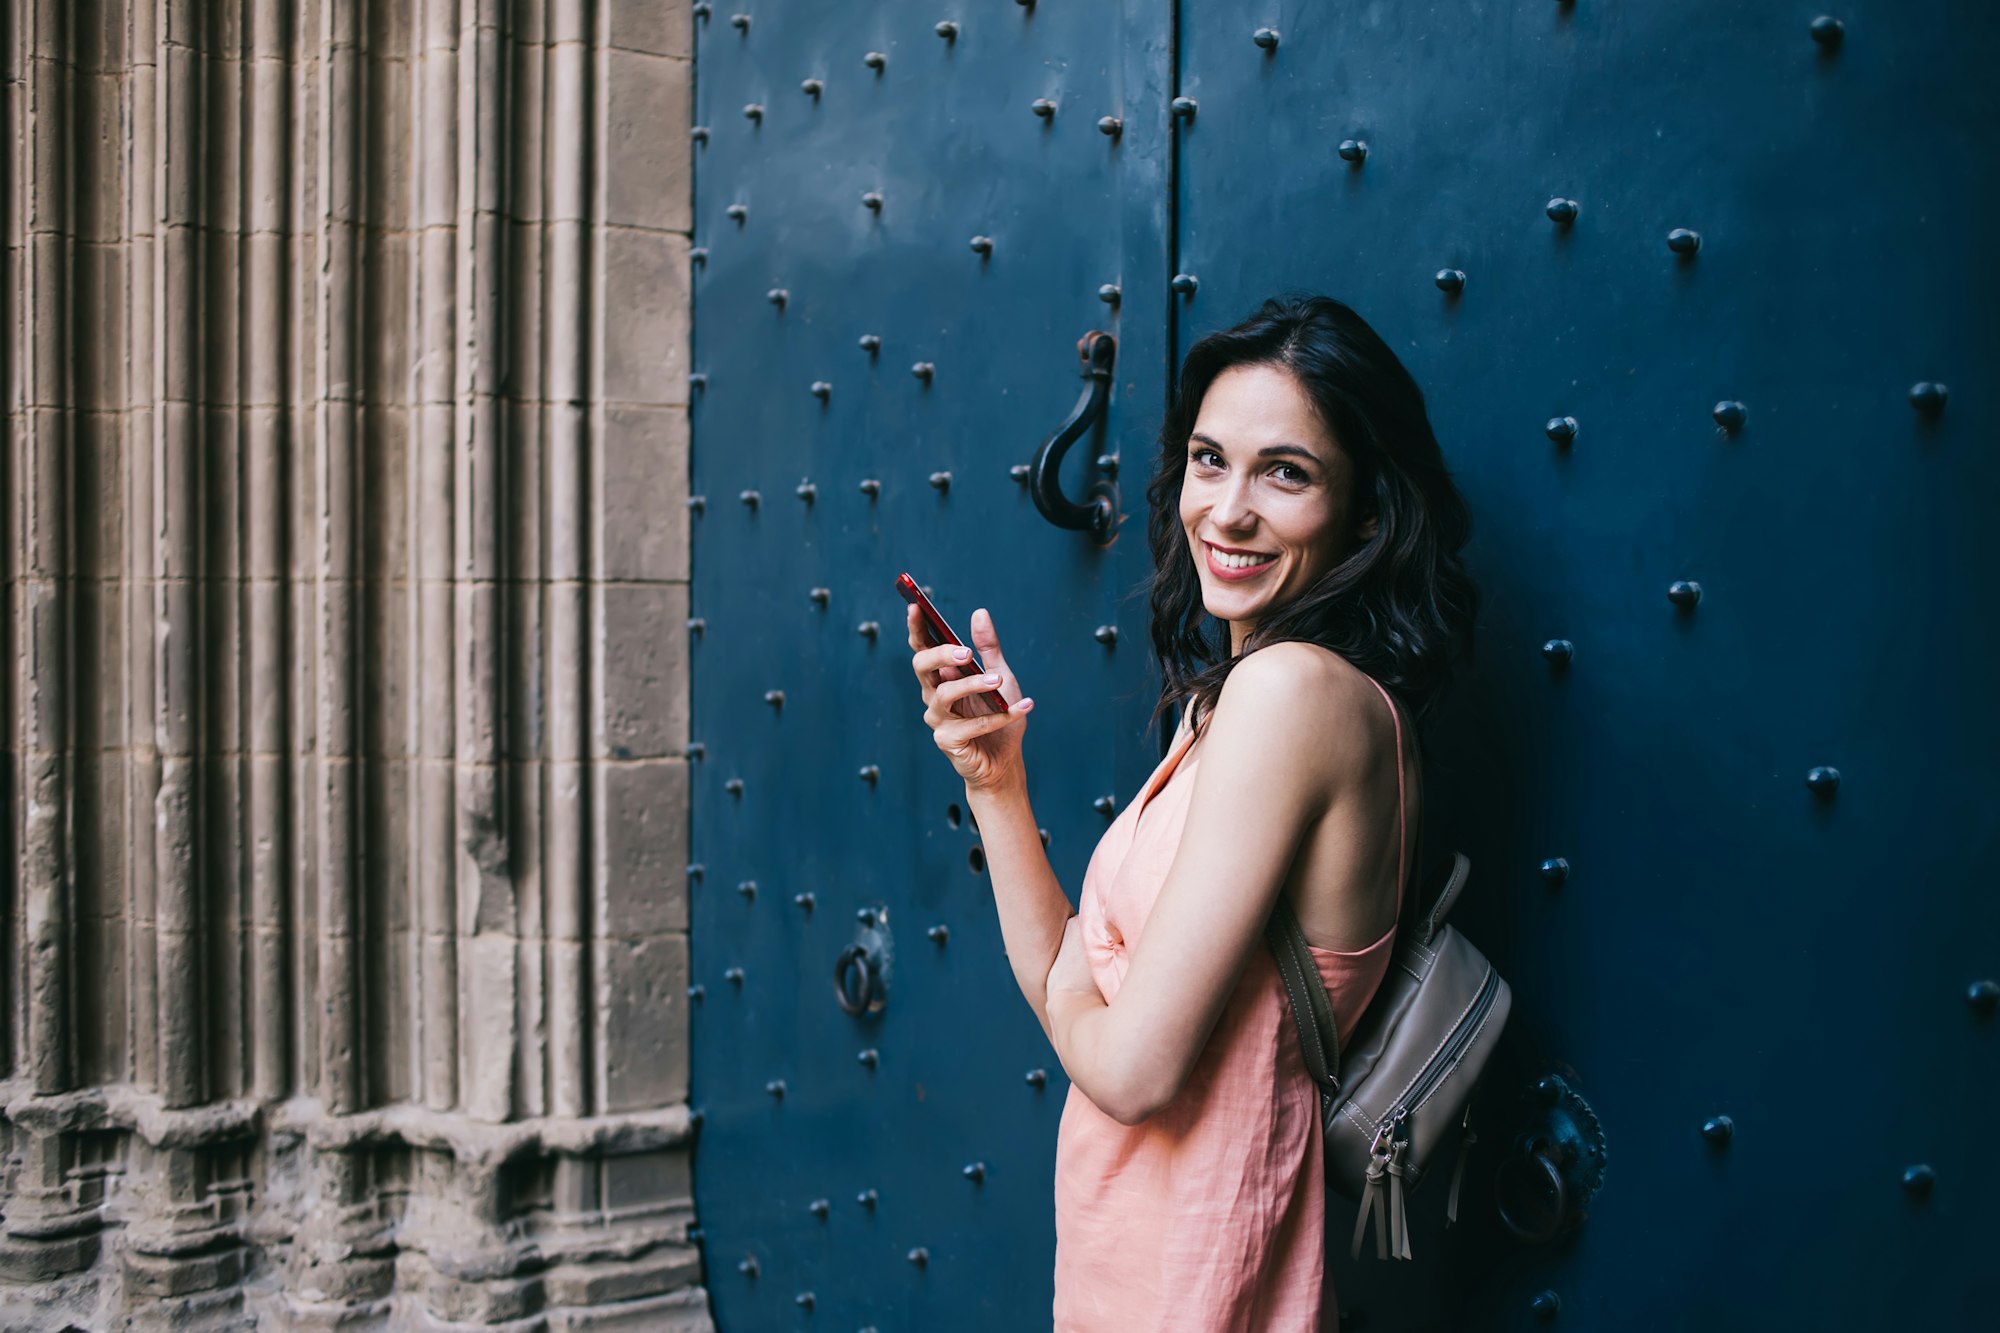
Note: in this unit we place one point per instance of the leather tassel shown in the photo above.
(1466, 1139)
(1372, 1201)
(1398, 1219)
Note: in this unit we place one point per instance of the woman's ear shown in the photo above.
(1368, 527)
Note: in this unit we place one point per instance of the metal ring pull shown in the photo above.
(1522, 1186)
(1099, 352)
(854, 961)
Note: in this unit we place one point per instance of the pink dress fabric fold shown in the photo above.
(1209, 1216)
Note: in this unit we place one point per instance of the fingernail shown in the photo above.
(962, 654)
(1024, 705)
(989, 679)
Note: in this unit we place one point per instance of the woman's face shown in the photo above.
(1266, 497)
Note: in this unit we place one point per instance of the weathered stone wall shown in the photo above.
(345, 364)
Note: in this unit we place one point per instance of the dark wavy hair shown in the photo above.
(1401, 605)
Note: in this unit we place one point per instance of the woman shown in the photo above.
(1302, 506)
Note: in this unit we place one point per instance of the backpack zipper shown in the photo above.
(1447, 1059)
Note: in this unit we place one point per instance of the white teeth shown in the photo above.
(1228, 561)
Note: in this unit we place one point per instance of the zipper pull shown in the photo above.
(1399, 1224)
(1466, 1138)
(1373, 1198)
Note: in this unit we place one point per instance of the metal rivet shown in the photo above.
(1548, 1091)
(1266, 38)
(923, 370)
(875, 60)
(698, 503)
(1450, 281)
(1108, 465)
(698, 254)
(1928, 398)
(1730, 415)
(1037, 1078)
(740, 22)
(1020, 472)
(919, 1256)
(1562, 430)
(776, 1087)
(737, 211)
(748, 888)
(734, 786)
(1354, 150)
(775, 698)
(699, 134)
(1111, 125)
(1682, 241)
(697, 991)
(734, 976)
(695, 750)
(1184, 284)
(1555, 871)
(1919, 1179)
(1106, 635)
(820, 597)
(1823, 780)
(867, 1198)
(804, 1300)
(812, 87)
(871, 343)
(1561, 211)
(869, 630)
(1983, 996)
(1684, 594)
(865, 915)
(822, 389)
(804, 902)
(871, 487)
(1043, 107)
(1109, 293)
(695, 1118)
(953, 815)
(701, 10)
(1828, 32)
(975, 1172)
(754, 111)
(1718, 1129)
(976, 859)
(696, 870)
(777, 296)
(982, 245)
(870, 1057)
(873, 201)
(819, 1208)
(748, 1268)
(870, 774)
(1184, 108)
(1559, 651)
(806, 491)
(941, 482)
(1546, 1305)
(696, 625)
(1105, 805)
(947, 30)
(1045, 836)
(698, 380)
(940, 934)
(750, 498)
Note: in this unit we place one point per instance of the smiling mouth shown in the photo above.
(1237, 560)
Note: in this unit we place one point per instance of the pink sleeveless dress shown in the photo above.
(1210, 1215)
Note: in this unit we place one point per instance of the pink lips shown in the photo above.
(1229, 575)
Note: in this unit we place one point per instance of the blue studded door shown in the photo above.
(907, 219)
(1699, 298)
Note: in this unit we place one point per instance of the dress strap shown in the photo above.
(1397, 715)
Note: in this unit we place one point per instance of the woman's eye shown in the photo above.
(1298, 474)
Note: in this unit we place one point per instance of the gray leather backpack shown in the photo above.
(1404, 1084)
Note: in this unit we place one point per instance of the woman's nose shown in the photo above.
(1233, 509)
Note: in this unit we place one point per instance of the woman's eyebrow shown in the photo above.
(1269, 451)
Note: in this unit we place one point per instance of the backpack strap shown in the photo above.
(1319, 1038)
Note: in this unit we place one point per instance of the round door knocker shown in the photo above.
(854, 979)
(861, 971)
(1556, 1166)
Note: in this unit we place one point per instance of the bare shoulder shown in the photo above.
(1310, 701)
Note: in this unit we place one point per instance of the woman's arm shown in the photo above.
(1033, 908)
(1282, 742)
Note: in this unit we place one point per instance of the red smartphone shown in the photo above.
(992, 701)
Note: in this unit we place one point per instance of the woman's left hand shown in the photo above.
(1071, 970)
